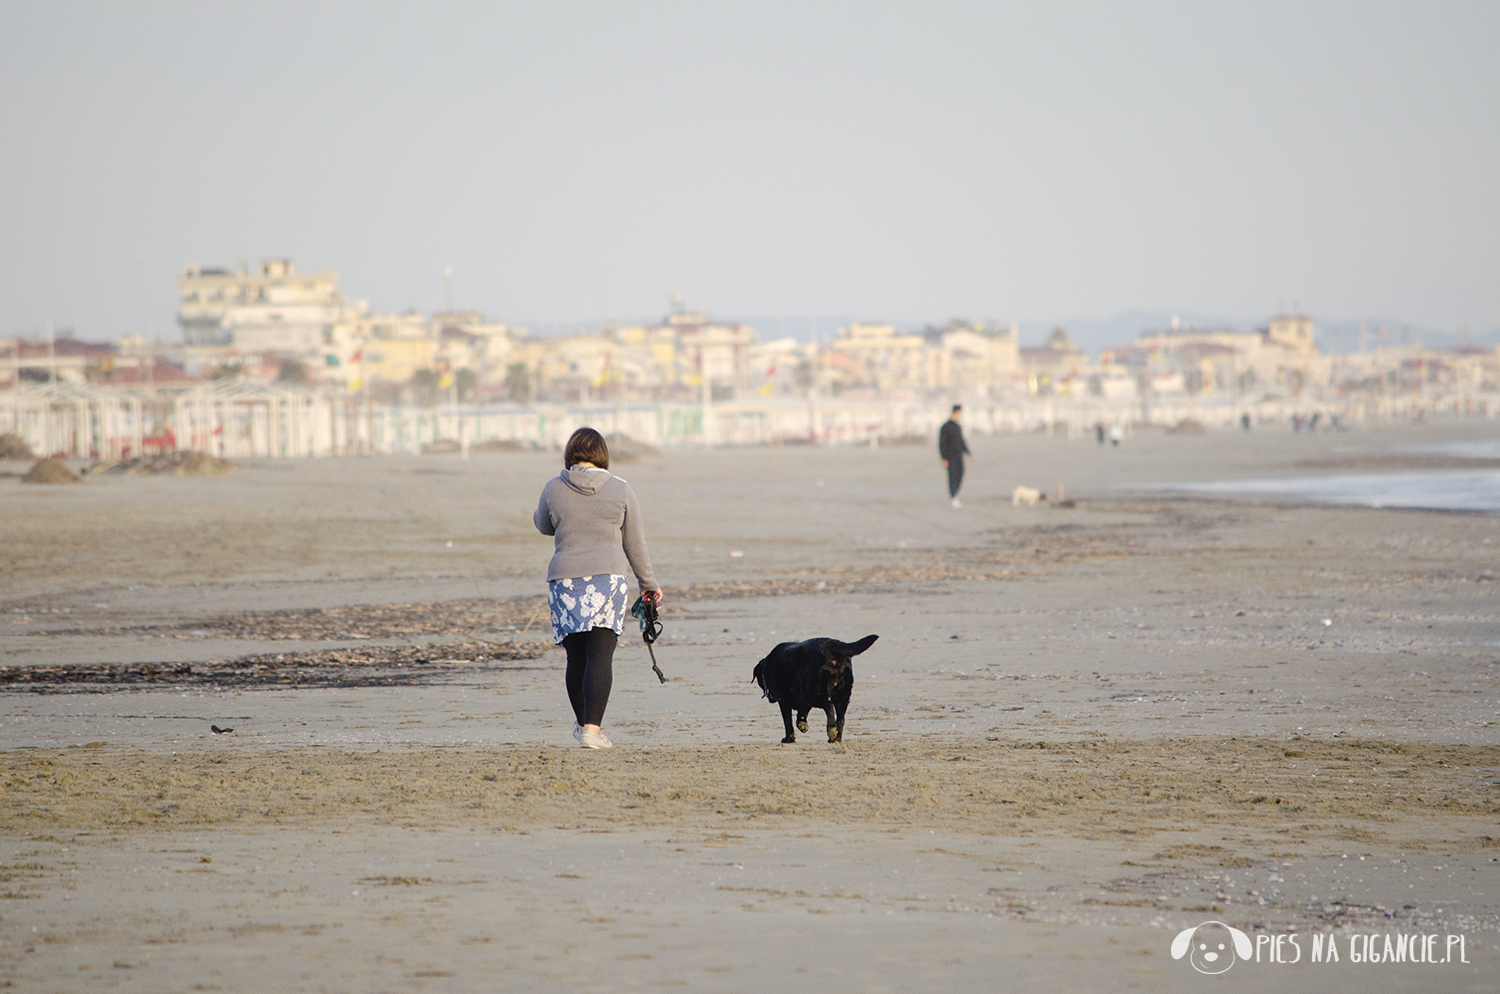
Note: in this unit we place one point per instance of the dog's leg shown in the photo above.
(843, 706)
(786, 718)
(801, 721)
(835, 723)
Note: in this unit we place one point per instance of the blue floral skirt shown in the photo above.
(581, 603)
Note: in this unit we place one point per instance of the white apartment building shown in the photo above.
(275, 310)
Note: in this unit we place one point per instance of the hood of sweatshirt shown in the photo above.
(586, 479)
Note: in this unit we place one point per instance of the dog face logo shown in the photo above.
(1212, 946)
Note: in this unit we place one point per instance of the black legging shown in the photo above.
(955, 475)
(590, 673)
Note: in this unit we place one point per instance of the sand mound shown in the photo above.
(1188, 426)
(51, 471)
(440, 445)
(623, 448)
(13, 446)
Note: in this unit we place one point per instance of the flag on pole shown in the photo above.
(769, 385)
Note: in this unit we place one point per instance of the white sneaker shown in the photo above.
(591, 741)
(956, 503)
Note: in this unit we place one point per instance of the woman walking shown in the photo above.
(596, 525)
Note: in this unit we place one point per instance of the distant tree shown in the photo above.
(382, 392)
(1061, 340)
(424, 387)
(806, 374)
(33, 375)
(518, 383)
(293, 371)
(228, 371)
(467, 382)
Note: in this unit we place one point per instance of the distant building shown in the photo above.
(1278, 359)
(684, 351)
(877, 360)
(65, 358)
(979, 359)
(1050, 368)
(877, 357)
(275, 310)
(387, 348)
(1292, 331)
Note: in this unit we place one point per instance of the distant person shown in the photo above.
(1099, 431)
(1245, 421)
(596, 526)
(1115, 434)
(952, 448)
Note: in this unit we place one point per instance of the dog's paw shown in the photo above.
(789, 739)
(835, 736)
(801, 724)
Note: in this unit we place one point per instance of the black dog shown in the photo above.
(812, 674)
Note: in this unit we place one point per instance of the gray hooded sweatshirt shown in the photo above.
(596, 524)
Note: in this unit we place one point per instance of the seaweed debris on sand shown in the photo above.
(172, 464)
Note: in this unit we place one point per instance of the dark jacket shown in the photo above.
(951, 445)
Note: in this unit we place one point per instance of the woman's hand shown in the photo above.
(652, 596)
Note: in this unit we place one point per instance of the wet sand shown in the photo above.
(1081, 731)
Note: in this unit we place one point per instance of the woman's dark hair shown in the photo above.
(586, 445)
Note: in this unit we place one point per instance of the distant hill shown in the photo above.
(1091, 334)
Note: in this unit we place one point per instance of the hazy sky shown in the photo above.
(902, 161)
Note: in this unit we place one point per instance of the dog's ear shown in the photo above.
(1183, 940)
(1242, 945)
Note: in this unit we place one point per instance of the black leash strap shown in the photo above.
(650, 629)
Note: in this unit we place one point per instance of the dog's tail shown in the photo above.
(852, 648)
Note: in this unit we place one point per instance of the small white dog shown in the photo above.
(1030, 495)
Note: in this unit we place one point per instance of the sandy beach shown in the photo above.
(1083, 729)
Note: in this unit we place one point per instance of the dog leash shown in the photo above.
(650, 629)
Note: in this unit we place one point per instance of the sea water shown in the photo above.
(1437, 490)
(1483, 448)
(1462, 490)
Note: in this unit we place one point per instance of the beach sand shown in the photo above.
(1082, 729)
